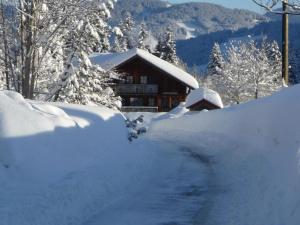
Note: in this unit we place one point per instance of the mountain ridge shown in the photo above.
(187, 20)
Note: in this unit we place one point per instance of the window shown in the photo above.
(144, 79)
(129, 79)
(151, 102)
(136, 102)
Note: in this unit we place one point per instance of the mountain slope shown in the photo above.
(196, 51)
(186, 20)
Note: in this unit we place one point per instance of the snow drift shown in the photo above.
(62, 164)
(254, 152)
(69, 164)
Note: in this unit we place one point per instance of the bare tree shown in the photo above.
(250, 71)
(288, 7)
(293, 6)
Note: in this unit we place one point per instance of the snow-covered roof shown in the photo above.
(110, 61)
(204, 94)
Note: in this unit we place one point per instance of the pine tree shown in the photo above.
(143, 37)
(159, 49)
(166, 48)
(118, 35)
(169, 48)
(104, 44)
(90, 85)
(294, 67)
(216, 61)
(126, 27)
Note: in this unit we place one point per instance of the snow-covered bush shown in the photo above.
(135, 128)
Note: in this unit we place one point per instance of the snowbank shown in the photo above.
(62, 164)
(254, 150)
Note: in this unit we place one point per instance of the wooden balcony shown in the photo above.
(139, 109)
(137, 89)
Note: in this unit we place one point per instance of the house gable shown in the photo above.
(111, 61)
(203, 105)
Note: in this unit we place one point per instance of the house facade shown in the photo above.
(150, 83)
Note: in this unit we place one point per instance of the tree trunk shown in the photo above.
(29, 62)
(5, 43)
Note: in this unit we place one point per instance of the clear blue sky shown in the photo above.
(243, 4)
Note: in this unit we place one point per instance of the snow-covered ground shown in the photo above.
(67, 164)
(254, 152)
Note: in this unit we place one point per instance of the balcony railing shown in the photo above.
(137, 89)
(139, 109)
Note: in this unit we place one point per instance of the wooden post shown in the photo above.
(285, 42)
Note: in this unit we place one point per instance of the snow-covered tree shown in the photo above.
(166, 48)
(233, 81)
(266, 69)
(126, 27)
(159, 52)
(83, 82)
(273, 53)
(294, 67)
(47, 40)
(170, 48)
(104, 44)
(273, 5)
(118, 35)
(248, 72)
(90, 85)
(143, 38)
(216, 61)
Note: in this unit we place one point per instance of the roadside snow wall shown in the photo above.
(255, 154)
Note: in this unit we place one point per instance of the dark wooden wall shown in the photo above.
(170, 91)
(203, 104)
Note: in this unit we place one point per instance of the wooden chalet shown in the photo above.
(203, 99)
(150, 84)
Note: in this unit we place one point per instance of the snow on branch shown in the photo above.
(293, 7)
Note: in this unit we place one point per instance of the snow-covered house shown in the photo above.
(203, 98)
(150, 83)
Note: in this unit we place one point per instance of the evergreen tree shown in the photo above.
(166, 48)
(126, 27)
(294, 67)
(159, 49)
(143, 37)
(118, 35)
(104, 44)
(90, 85)
(169, 48)
(216, 61)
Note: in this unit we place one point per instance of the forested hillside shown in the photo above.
(186, 20)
